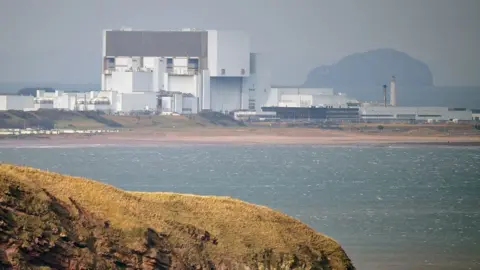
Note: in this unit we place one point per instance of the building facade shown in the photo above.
(217, 68)
(14, 102)
(406, 114)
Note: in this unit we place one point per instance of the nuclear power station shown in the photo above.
(186, 71)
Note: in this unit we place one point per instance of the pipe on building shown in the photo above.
(393, 92)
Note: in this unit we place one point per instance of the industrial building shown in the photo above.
(324, 103)
(215, 69)
(189, 70)
(180, 71)
(413, 114)
(15, 102)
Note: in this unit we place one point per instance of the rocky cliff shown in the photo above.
(52, 221)
(372, 68)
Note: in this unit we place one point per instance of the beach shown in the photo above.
(263, 136)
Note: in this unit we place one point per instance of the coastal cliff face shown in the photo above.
(50, 221)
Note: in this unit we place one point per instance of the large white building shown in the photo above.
(396, 113)
(307, 97)
(214, 70)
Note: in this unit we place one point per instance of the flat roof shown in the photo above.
(156, 43)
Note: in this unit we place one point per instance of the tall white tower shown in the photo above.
(393, 92)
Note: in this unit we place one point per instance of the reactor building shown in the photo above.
(189, 70)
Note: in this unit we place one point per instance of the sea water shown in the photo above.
(389, 207)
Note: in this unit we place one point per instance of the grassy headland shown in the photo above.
(53, 220)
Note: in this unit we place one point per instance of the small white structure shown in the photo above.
(14, 102)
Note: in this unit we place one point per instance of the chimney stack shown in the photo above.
(385, 95)
(393, 92)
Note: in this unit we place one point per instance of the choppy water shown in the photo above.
(390, 208)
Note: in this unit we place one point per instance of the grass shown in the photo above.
(243, 230)
(78, 123)
(158, 121)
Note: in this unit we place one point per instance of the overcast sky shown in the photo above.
(60, 40)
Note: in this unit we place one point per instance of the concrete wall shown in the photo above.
(297, 100)
(177, 103)
(142, 81)
(414, 113)
(123, 63)
(12, 102)
(98, 107)
(205, 103)
(136, 101)
(62, 102)
(272, 98)
(159, 69)
(167, 104)
(3, 103)
(128, 82)
(225, 93)
(189, 105)
(228, 51)
(184, 84)
(213, 52)
(107, 83)
(256, 88)
(121, 82)
(43, 106)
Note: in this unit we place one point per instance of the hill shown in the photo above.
(57, 221)
(372, 68)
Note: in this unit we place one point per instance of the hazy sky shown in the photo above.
(60, 41)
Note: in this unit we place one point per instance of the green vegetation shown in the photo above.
(107, 226)
(49, 119)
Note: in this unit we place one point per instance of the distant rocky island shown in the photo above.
(53, 221)
(372, 68)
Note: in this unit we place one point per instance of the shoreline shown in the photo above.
(241, 137)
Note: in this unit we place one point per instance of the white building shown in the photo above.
(429, 114)
(14, 102)
(307, 97)
(215, 67)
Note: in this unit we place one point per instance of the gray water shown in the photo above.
(390, 208)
